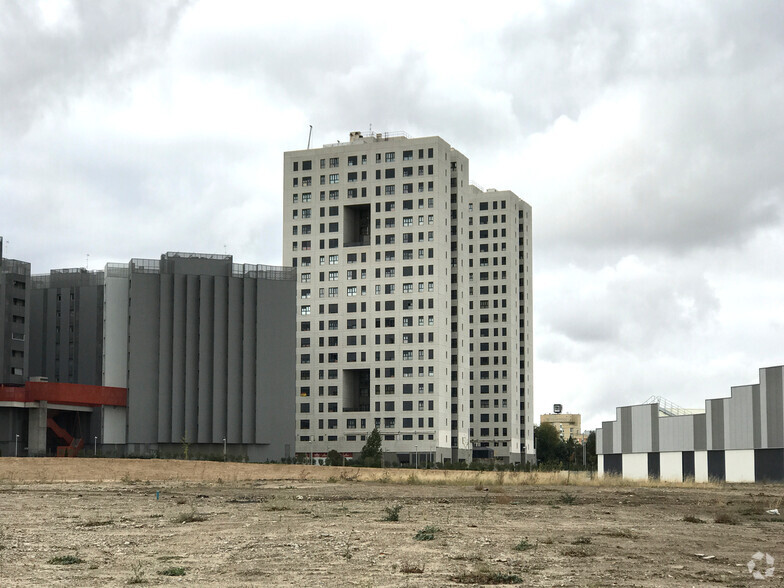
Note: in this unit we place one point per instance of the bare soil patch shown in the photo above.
(102, 522)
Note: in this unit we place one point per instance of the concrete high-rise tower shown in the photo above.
(414, 302)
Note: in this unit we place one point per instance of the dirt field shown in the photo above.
(126, 521)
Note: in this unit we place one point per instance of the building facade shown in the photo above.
(735, 439)
(414, 304)
(205, 348)
(152, 356)
(66, 324)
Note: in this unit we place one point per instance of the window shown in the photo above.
(333, 259)
(389, 190)
(305, 310)
(306, 213)
(333, 276)
(305, 277)
(408, 221)
(334, 161)
(333, 179)
(389, 157)
(306, 197)
(333, 292)
(407, 155)
(351, 291)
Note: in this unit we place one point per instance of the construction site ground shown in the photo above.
(112, 522)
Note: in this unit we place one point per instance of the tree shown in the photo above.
(590, 450)
(371, 453)
(548, 445)
(333, 458)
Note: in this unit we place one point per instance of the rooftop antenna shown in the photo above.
(310, 132)
(87, 264)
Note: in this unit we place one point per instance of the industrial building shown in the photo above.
(147, 357)
(414, 308)
(735, 439)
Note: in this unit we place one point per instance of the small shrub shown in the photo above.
(726, 519)
(427, 534)
(625, 533)
(66, 560)
(392, 513)
(190, 516)
(97, 523)
(567, 498)
(173, 571)
(412, 568)
(579, 551)
(137, 574)
(582, 541)
(484, 577)
(524, 545)
(692, 519)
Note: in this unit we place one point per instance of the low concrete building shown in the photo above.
(736, 439)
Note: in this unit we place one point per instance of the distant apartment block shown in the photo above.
(414, 307)
(568, 425)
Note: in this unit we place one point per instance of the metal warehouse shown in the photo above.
(735, 439)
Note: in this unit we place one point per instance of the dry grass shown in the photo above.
(51, 470)
(412, 568)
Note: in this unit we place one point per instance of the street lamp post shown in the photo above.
(224, 449)
(16, 446)
(416, 457)
(95, 446)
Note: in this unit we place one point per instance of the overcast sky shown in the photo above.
(647, 136)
